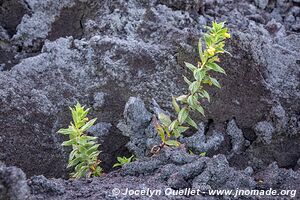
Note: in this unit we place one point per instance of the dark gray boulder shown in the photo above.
(264, 130)
(136, 120)
(41, 185)
(13, 184)
(200, 143)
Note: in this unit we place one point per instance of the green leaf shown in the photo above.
(191, 101)
(130, 158)
(88, 138)
(123, 160)
(203, 154)
(205, 94)
(182, 129)
(74, 132)
(182, 115)
(93, 155)
(98, 171)
(164, 119)
(75, 117)
(208, 40)
(82, 149)
(84, 114)
(77, 168)
(215, 82)
(219, 49)
(175, 104)
(88, 125)
(215, 67)
(91, 143)
(65, 131)
(161, 133)
(73, 154)
(200, 109)
(187, 80)
(191, 122)
(194, 87)
(190, 66)
(82, 172)
(69, 142)
(173, 125)
(74, 162)
(117, 165)
(120, 159)
(172, 143)
(199, 74)
(196, 106)
(176, 133)
(78, 106)
(221, 32)
(182, 98)
(93, 148)
(166, 128)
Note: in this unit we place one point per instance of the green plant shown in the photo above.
(123, 160)
(209, 53)
(84, 156)
(203, 154)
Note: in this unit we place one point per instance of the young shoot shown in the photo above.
(214, 42)
(84, 156)
(123, 160)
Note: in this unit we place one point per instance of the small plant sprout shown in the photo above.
(203, 154)
(123, 160)
(84, 156)
(191, 152)
(183, 105)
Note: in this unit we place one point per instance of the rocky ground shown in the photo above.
(124, 59)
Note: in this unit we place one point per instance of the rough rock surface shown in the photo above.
(136, 120)
(37, 25)
(237, 138)
(171, 168)
(264, 130)
(13, 184)
(199, 142)
(54, 53)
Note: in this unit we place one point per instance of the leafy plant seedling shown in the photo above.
(84, 156)
(214, 42)
(123, 160)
